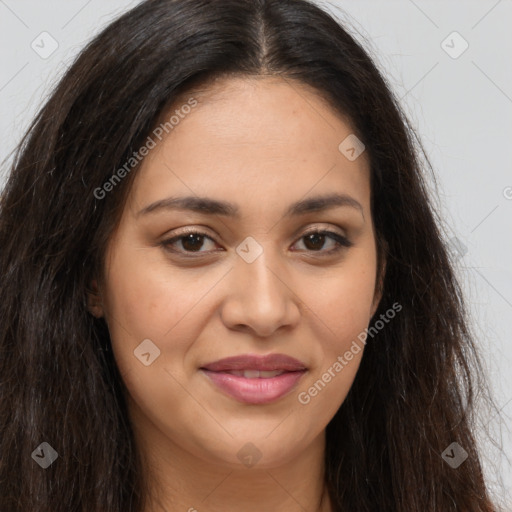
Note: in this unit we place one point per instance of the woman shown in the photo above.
(223, 282)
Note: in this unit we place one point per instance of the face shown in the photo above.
(267, 269)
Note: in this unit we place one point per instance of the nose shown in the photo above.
(260, 297)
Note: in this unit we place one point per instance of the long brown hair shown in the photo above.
(413, 395)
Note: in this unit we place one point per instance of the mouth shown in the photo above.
(253, 379)
(256, 374)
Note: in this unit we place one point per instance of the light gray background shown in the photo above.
(462, 108)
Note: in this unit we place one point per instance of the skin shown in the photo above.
(262, 143)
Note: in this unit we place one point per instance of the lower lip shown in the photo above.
(255, 391)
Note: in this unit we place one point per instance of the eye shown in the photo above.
(192, 241)
(315, 240)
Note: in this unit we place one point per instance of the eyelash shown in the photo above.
(342, 241)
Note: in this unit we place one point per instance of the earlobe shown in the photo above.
(94, 301)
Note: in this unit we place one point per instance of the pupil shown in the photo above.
(188, 242)
(315, 237)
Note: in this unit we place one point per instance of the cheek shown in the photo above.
(143, 295)
(148, 299)
(342, 346)
(344, 298)
(343, 303)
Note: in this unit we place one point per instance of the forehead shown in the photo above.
(268, 138)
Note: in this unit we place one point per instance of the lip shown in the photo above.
(260, 390)
(268, 362)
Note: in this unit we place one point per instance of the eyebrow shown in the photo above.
(208, 206)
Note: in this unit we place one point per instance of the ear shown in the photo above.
(94, 300)
(379, 286)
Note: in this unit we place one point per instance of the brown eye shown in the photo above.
(191, 242)
(315, 241)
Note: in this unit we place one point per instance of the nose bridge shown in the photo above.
(256, 270)
(259, 297)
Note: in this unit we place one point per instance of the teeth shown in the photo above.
(251, 374)
(268, 374)
(256, 374)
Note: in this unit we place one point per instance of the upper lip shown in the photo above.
(256, 362)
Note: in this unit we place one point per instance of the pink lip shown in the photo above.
(255, 362)
(258, 390)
